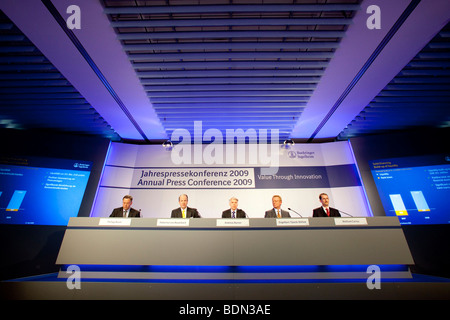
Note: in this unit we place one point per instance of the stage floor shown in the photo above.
(52, 287)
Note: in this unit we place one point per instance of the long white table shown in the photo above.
(216, 259)
(237, 242)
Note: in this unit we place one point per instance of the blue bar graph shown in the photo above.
(16, 200)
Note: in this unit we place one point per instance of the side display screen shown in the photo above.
(416, 189)
(41, 191)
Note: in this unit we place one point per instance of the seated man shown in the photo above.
(233, 212)
(325, 210)
(277, 212)
(184, 211)
(125, 211)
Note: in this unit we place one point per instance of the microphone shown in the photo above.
(295, 212)
(347, 214)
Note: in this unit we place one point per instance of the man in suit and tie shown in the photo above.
(277, 212)
(125, 211)
(325, 210)
(184, 211)
(233, 212)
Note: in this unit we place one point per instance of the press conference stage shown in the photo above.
(353, 258)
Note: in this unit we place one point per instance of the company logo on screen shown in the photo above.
(301, 154)
(81, 165)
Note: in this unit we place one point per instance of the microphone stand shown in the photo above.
(347, 214)
(295, 212)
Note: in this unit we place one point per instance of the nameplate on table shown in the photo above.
(232, 223)
(172, 222)
(295, 222)
(114, 222)
(350, 221)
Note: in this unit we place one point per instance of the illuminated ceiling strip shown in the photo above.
(413, 4)
(59, 19)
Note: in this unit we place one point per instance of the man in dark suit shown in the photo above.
(184, 211)
(125, 211)
(234, 212)
(325, 210)
(277, 212)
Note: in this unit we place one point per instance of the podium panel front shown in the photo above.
(250, 242)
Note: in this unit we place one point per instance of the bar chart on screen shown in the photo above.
(399, 205)
(414, 188)
(16, 200)
(420, 201)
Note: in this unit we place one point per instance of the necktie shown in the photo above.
(278, 214)
(184, 213)
(233, 216)
(125, 213)
(328, 212)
